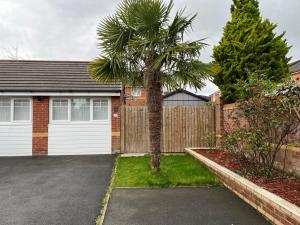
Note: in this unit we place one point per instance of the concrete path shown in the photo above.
(179, 206)
(63, 190)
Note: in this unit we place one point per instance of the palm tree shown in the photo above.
(143, 46)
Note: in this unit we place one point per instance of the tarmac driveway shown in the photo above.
(62, 190)
(179, 206)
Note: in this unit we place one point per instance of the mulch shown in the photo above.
(286, 187)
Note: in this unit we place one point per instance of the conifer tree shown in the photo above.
(249, 46)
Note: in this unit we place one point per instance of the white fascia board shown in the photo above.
(60, 94)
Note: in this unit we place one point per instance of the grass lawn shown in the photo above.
(176, 170)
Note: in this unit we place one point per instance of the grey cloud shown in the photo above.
(66, 29)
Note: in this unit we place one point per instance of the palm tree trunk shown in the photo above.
(154, 104)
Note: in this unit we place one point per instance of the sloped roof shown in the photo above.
(202, 97)
(295, 66)
(50, 76)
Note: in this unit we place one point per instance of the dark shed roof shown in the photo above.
(295, 66)
(202, 97)
(49, 76)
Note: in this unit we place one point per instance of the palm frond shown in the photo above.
(167, 10)
(113, 35)
(187, 73)
(146, 17)
(114, 69)
(141, 30)
(185, 50)
(178, 26)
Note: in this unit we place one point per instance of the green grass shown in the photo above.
(176, 170)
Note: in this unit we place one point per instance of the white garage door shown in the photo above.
(79, 126)
(16, 140)
(15, 127)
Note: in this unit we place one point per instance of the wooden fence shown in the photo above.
(183, 126)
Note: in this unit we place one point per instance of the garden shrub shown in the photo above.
(262, 122)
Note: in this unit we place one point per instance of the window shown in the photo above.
(136, 92)
(60, 109)
(80, 109)
(5, 110)
(15, 109)
(100, 109)
(21, 109)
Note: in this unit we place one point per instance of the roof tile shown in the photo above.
(35, 76)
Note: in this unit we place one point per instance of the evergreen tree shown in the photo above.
(249, 45)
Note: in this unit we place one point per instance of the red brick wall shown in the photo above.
(116, 123)
(40, 121)
(134, 101)
(296, 77)
(289, 159)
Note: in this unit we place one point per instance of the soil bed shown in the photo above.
(285, 187)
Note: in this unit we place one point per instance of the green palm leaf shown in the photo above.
(143, 46)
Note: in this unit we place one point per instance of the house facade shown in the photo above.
(134, 96)
(54, 108)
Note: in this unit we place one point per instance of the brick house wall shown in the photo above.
(116, 124)
(40, 121)
(134, 101)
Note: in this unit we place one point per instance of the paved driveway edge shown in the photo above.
(105, 201)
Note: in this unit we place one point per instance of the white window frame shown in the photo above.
(51, 110)
(69, 121)
(12, 121)
(108, 109)
(135, 89)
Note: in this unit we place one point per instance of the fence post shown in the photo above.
(219, 121)
(123, 121)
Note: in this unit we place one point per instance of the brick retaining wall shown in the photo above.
(273, 207)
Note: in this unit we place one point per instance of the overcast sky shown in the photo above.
(66, 29)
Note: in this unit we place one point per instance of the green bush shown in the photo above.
(261, 125)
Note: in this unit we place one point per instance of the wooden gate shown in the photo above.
(183, 126)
